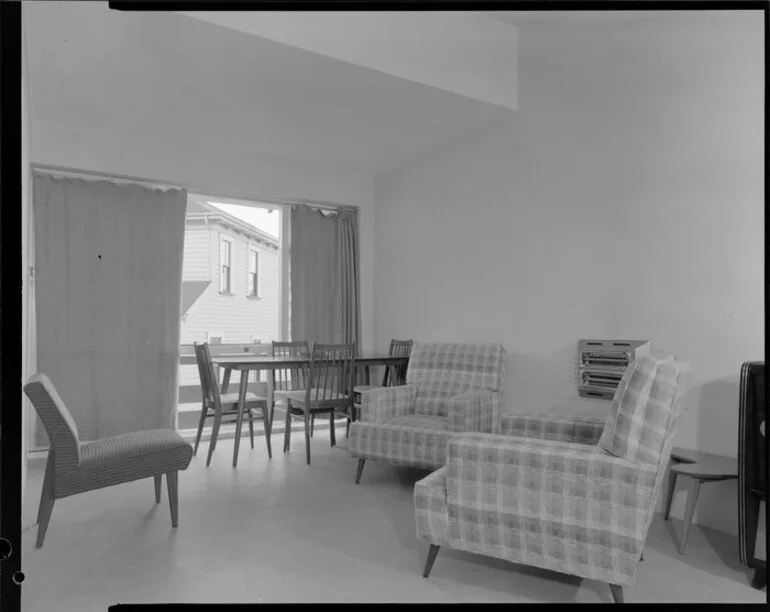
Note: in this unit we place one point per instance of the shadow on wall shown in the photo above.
(538, 383)
(711, 425)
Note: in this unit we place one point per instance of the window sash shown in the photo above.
(226, 266)
(254, 287)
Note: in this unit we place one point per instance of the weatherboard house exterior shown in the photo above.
(230, 290)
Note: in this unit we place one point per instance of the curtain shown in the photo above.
(108, 287)
(325, 302)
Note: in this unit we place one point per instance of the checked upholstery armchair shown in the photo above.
(450, 389)
(571, 495)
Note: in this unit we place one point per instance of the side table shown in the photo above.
(700, 467)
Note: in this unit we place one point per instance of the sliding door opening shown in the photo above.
(233, 294)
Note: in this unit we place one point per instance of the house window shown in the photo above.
(226, 259)
(254, 273)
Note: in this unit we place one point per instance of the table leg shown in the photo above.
(692, 501)
(226, 381)
(271, 400)
(241, 407)
(670, 494)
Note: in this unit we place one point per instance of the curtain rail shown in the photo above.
(211, 193)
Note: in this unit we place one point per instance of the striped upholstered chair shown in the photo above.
(450, 388)
(570, 495)
(76, 467)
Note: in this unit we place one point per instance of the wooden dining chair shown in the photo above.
(221, 406)
(289, 378)
(329, 390)
(394, 374)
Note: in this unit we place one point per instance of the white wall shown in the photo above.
(214, 171)
(623, 200)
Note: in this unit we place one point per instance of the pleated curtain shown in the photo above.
(325, 276)
(108, 286)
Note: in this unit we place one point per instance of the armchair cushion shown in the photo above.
(384, 403)
(418, 440)
(565, 428)
(124, 458)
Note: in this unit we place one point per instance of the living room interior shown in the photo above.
(527, 179)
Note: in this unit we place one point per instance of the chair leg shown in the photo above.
(312, 424)
(307, 437)
(172, 482)
(431, 558)
(287, 429)
(670, 493)
(617, 593)
(239, 420)
(158, 482)
(214, 436)
(359, 470)
(332, 430)
(251, 428)
(46, 501)
(692, 501)
(267, 431)
(201, 423)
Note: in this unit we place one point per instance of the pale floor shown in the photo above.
(283, 531)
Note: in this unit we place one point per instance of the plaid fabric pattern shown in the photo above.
(552, 427)
(638, 421)
(86, 466)
(431, 516)
(554, 503)
(441, 370)
(415, 440)
(474, 411)
(387, 402)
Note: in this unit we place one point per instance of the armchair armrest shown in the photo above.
(385, 403)
(474, 411)
(538, 485)
(564, 428)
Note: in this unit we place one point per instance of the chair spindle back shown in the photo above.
(331, 371)
(291, 378)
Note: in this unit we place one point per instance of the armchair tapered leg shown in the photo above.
(172, 483)
(201, 423)
(158, 482)
(670, 493)
(312, 424)
(332, 430)
(360, 470)
(46, 501)
(431, 558)
(617, 593)
(267, 431)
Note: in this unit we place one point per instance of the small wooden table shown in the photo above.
(700, 467)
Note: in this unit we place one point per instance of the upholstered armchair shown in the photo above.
(571, 495)
(450, 388)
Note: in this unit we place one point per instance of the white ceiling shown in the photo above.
(165, 77)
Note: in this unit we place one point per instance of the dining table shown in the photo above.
(248, 362)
